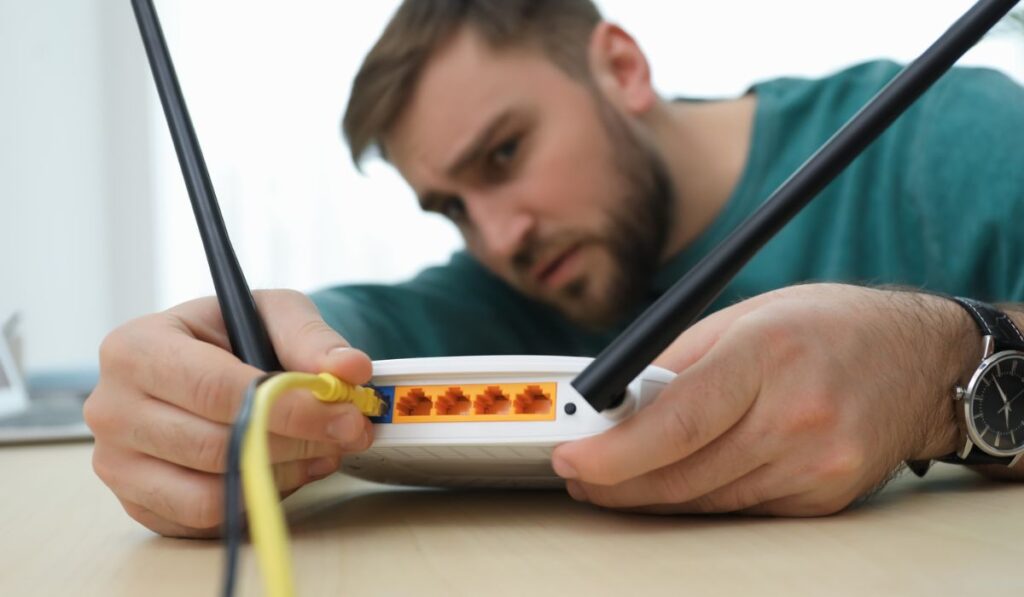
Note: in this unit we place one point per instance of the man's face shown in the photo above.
(549, 185)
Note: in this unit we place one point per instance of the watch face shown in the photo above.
(995, 408)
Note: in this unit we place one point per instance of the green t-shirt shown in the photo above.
(937, 202)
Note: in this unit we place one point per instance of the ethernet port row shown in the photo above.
(471, 402)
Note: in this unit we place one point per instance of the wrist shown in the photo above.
(954, 349)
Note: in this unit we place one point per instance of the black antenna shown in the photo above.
(604, 381)
(248, 337)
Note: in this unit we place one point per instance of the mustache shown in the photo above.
(526, 256)
(536, 250)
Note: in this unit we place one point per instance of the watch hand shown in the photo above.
(1001, 394)
(1006, 403)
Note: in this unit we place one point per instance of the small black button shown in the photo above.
(570, 408)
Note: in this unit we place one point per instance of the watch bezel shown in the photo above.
(984, 367)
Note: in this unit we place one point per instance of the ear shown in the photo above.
(620, 69)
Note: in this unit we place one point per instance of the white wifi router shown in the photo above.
(488, 421)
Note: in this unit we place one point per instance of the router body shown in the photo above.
(487, 421)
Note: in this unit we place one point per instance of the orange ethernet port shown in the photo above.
(453, 402)
(413, 403)
(532, 401)
(492, 402)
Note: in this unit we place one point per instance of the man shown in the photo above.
(582, 196)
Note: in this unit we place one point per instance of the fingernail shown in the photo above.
(322, 467)
(345, 428)
(338, 350)
(358, 445)
(563, 469)
(576, 491)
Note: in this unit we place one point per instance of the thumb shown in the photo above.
(303, 340)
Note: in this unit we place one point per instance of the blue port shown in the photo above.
(387, 394)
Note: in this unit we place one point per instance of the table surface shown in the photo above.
(954, 533)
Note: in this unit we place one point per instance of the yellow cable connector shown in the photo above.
(266, 518)
(335, 390)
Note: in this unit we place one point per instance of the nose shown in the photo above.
(503, 226)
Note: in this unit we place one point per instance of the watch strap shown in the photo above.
(976, 456)
(993, 322)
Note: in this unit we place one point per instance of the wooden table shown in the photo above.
(63, 533)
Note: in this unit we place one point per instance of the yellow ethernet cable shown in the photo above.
(266, 517)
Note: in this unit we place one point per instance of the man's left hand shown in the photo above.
(792, 403)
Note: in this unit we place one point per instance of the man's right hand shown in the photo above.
(169, 389)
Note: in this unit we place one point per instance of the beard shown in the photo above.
(632, 238)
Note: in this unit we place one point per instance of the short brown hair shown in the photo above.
(390, 71)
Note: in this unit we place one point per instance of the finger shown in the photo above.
(172, 434)
(165, 527)
(811, 499)
(795, 487)
(304, 341)
(698, 406)
(795, 506)
(210, 382)
(183, 496)
(764, 484)
(728, 458)
(301, 338)
(157, 356)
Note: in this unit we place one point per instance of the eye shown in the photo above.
(453, 209)
(503, 155)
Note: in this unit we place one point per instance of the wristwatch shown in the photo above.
(990, 408)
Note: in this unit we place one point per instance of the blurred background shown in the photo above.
(95, 224)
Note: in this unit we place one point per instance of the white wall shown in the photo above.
(76, 255)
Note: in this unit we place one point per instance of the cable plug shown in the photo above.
(336, 390)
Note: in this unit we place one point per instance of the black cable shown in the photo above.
(248, 336)
(233, 509)
(604, 381)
